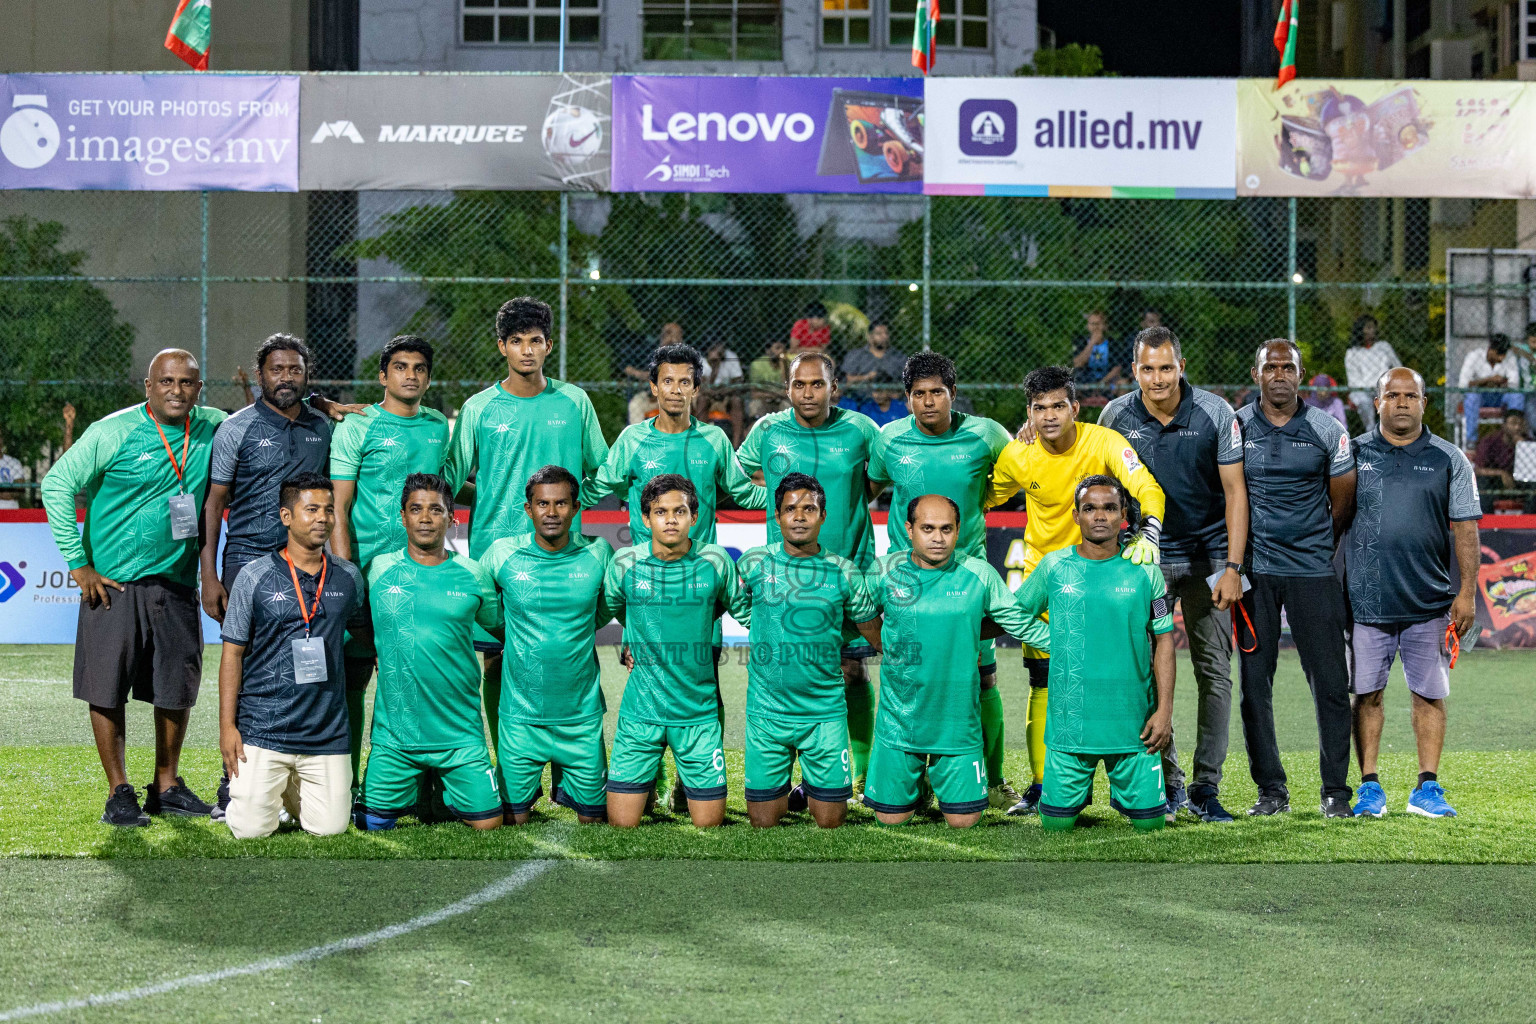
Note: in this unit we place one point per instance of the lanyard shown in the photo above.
(186, 439)
(1251, 631)
(293, 574)
(1452, 643)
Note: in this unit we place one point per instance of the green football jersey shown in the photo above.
(121, 464)
(1101, 693)
(798, 608)
(930, 643)
(837, 455)
(379, 450)
(552, 603)
(702, 453)
(956, 464)
(503, 440)
(669, 611)
(423, 625)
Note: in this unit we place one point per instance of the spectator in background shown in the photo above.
(885, 403)
(767, 376)
(634, 360)
(1328, 401)
(69, 426)
(1495, 458)
(1365, 361)
(1491, 367)
(811, 331)
(1150, 318)
(242, 381)
(1096, 358)
(875, 359)
(719, 400)
(12, 478)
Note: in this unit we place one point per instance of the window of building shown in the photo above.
(845, 23)
(531, 21)
(712, 30)
(962, 23)
(1528, 32)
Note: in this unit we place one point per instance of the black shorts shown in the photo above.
(148, 645)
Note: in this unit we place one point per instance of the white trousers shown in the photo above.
(316, 790)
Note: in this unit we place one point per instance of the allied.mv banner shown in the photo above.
(169, 132)
(697, 134)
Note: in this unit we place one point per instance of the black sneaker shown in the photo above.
(1204, 805)
(123, 809)
(1337, 807)
(178, 799)
(798, 801)
(1271, 803)
(221, 800)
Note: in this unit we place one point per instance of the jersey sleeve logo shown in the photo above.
(1343, 445)
(1128, 456)
(1237, 432)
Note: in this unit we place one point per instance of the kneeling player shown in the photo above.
(1103, 704)
(551, 581)
(938, 608)
(668, 594)
(426, 601)
(801, 595)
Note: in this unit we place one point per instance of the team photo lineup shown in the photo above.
(323, 540)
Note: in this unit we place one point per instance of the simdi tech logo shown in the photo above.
(30, 136)
(11, 580)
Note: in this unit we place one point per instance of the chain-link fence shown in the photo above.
(91, 284)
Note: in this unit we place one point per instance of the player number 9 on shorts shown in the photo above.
(845, 760)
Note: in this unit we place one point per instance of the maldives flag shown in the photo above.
(1285, 41)
(924, 35)
(191, 32)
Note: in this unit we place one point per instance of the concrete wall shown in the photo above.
(422, 35)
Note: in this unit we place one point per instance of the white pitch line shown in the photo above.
(497, 890)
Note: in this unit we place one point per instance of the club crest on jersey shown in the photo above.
(522, 576)
(654, 463)
(1237, 432)
(1343, 445)
(1128, 456)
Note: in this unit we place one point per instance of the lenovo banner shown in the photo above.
(687, 134)
(159, 132)
(1374, 138)
(444, 131)
(1144, 138)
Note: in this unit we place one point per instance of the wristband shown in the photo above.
(1236, 567)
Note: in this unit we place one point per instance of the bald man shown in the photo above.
(144, 471)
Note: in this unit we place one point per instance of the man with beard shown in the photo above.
(254, 451)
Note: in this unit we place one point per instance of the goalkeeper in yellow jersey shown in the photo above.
(1046, 461)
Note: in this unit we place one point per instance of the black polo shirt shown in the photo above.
(1290, 520)
(1185, 456)
(1398, 551)
(254, 451)
(274, 712)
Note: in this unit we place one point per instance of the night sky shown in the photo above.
(1187, 38)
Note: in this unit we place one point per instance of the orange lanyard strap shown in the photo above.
(186, 439)
(1452, 643)
(293, 574)
(1251, 631)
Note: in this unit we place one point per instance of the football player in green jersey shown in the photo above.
(426, 602)
(669, 593)
(552, 706)
(816, 437)
(505, 433)
(371, 455)
(802, 598)
(939, 606)
(936, 450)
(1113, 703)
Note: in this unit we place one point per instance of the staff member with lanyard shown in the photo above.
(136, 565)
(1416, 503)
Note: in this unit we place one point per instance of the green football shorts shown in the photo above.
(891, 787)
(469, 781)
(1135, 787)
(697, 749)
(823, 748)
(524, 749)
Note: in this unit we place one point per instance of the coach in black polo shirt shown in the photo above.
(282, 683)
(1191, 441)
(1416, 494)
(1301, 493)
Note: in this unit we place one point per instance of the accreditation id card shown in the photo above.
(309, 659)
(183, 517)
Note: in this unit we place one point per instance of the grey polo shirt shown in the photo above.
(1290, 520)
(254, 451)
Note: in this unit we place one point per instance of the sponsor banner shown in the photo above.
(149, 132)
(445, 131)
(698, 134)
(1137, 138)
(1381, 138)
